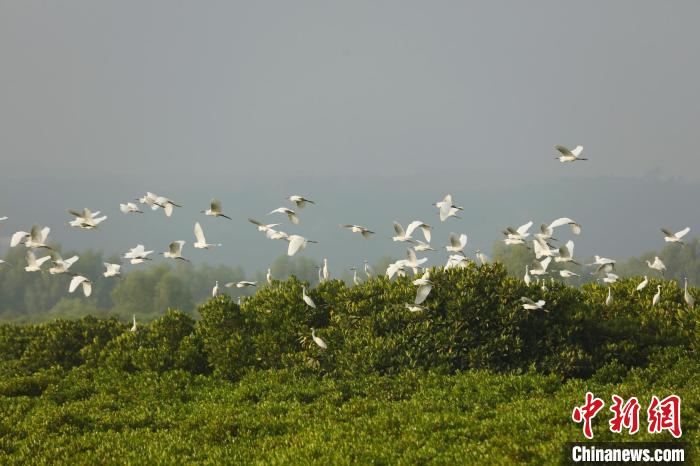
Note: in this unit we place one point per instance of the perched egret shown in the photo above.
(675, 237)
(609, 299)
(201, 241)
(481, 257)
(34, 264)
(527, 278)
(307, 299)
(318, 340)
(531, 305)
(175, 251)
(569, 155)
(689, 299)
(457, 243)
(80, 280)
(297, 243)
(657, 297)
(657, 265)
(214, 209)
(113, 270)
(268, 277)
(300, 201)
(355, 278)
(642, 284)
(215, 290)
(288, 212)
(133, 327)
(325, 274)
(130, 208)
(365, 232)
(368, 269)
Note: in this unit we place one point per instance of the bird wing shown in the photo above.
(17, 237)
(560, 221)
(70, 261)
(293, 217)
(564, 150)
(545, 263)
(522, 229)
(462, 240)
(399, 229)
(454, 240)
(540, 249)
(422, 293)
(255, 222)
(296, 243)
(215, 205)
(683, 232)
(667, 232)
(412, 226)
(199, 234)
(577, 151)
(411, 255)
(75, 282)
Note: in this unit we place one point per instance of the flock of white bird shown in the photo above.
(541, 245)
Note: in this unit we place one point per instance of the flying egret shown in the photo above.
(642, 284)
(307, 299)
(396, 268)
(566, 253)
(133, 327)
(201, 242)
(413, 261)
(575, 227)
(61, 265)
(156, 201)
(275, 234)
(675, 237)
(86, 219)
(130, 208)
(241, 284)
(421, 246)
(113, 270)
(401, 235)
(214, 209)
(447, 209)
(138, 254)
(604, 264)
(457, 243)
(424, 227)
(175, 251)
(300, 201)
(365, 232)
(35, 239)
(657, 265)
(80, 280)
(456, 261)
(569, 155)
(609, 299)
(542, 249)
(261, 226)
(531, 305)
(481, 257)
(288, 212)
(415, 307)
(610, 278)
(34, 264)
(689, 299)
(297, 243)
(568, 273)
(540, 267)
(318, 340)
(424, 286)
(3, 218)
(657, 297)
(527, 278)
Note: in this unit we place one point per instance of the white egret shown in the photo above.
(35, 239)
(396, 268)
(457, 243)
(261, 226)
(241, 284)
(415, 307)
(325, 274)
(401, 235)
(288, 212)
(3, 218)
(670, 237)
(657, 265)
(175, 251)
(113, 270)
(275, 234)
(481, 257)
(214, 209)
(575, 227)
(368, 269)
(86, 219)
(307, 299)
(268, 277)
(447, 209)
(61, 265)
(610, 278)
(201, 242)
(569, 155)
(138, 254)
(642, 284)
(297, 243)
(456, 261)
(365, 232)
(355, 278)
(425, 229)
(424, 286)
(80, 280)
(318, 340)
(568, 274)
(689, 299)
(421, 246)
(527, 278)
(657, 297)
(530, 305)
(300, 201)
(542, 249)
(540, 267)
(133, 327)
(566, 253)
(518, 233)
(34, 264)
(609, 299)
(130, 208)
(413, 261)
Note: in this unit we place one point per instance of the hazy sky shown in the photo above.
(374, 108)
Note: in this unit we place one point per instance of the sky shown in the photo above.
(374, 109)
